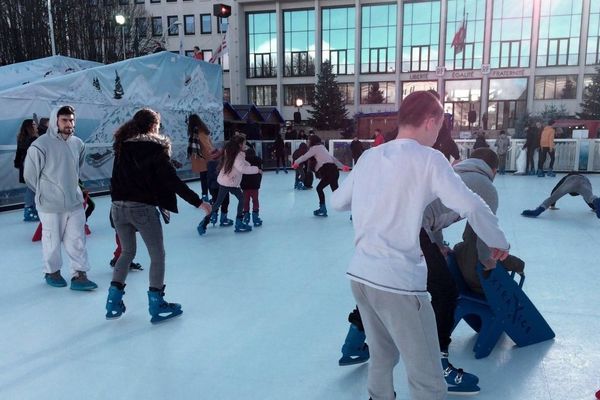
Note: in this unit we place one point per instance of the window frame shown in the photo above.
(185, 17)
(171, 26)
(153, 32)
(202, 25)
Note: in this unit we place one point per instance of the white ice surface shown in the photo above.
(265, 312)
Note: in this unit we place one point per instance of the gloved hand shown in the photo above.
(295, 166)
(345, 168)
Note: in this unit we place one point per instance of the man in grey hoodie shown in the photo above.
(478, 173)
(52, 169)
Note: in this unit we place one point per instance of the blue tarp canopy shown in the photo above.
(22, 73)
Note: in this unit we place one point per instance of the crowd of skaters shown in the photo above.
(141, 199)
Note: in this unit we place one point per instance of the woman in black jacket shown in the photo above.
(27, 134)
(143, 179)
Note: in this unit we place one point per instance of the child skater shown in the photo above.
(230, 177)
(326, 170)
(250, 185)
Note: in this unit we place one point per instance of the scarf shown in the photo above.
(194, 147)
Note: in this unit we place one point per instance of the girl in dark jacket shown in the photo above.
(27, 134)
(143, 179)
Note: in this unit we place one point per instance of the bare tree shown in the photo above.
(82, 28)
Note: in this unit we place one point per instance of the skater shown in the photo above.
(356, 148)
(200, 150)
(251, 185)
(532, 143)
(440, 283)
(144, 179)
(378, 138)
(388, 276)
(304, 176)
(213, 189)
(547, 147)
(480, 141)
(502, 148)
(52, 171)
(574, 184)
(279, 154)
(28, 133)
(445, 143)
(230, 177)
(326, 167)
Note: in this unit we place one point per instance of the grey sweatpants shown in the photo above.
(572, 184)
(129, 217)
(401, 326)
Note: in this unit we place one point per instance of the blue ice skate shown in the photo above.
(30, 214)
(114, 303)
(159, 309)
(354, 350)
(256, 221)
(459, 382)
(224, 221)
(240, 226)
(321, 211)
(533, 213)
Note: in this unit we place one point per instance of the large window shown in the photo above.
(293, 92)
(189, 24)
(511, 33)
(222, 24)
(205, 24)
(338, 39)
(409, 87)
(465, 20)
(347, 91)
(507, 102)
(421, 32)
(299, 42)
(378, 93)
(588, 80)
(378, 39)
(172, 26)
(157, 29)
(263, 95)
(460, 98)
(262, 45)
(555, 87)
(593, 40)
(560, 28)
(141, 25)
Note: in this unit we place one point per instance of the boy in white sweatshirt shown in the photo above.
(387, 271)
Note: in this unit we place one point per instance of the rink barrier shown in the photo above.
(571, 154)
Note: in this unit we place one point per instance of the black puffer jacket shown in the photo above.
(19, 161)
(143, 172)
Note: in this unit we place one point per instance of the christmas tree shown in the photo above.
(590, 108)
(118, 88)
(375, 96)
(328, 109)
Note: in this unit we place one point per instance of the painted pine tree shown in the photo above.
(328, 109)
(118, 87)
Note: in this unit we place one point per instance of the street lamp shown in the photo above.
(179, 34)
(121, 21)
(297, 115)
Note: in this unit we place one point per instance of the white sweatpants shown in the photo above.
(400, 326)
(67, 228)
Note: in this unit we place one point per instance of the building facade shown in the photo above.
(499, 58)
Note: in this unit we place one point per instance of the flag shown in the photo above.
(458, 42)
(220, 51)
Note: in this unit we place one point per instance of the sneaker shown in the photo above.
(55, 279)
(81, 282)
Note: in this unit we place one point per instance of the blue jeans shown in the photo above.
(29, 198)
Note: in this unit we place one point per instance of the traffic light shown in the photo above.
(221, 10)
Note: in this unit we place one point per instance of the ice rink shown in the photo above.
(265, 313)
